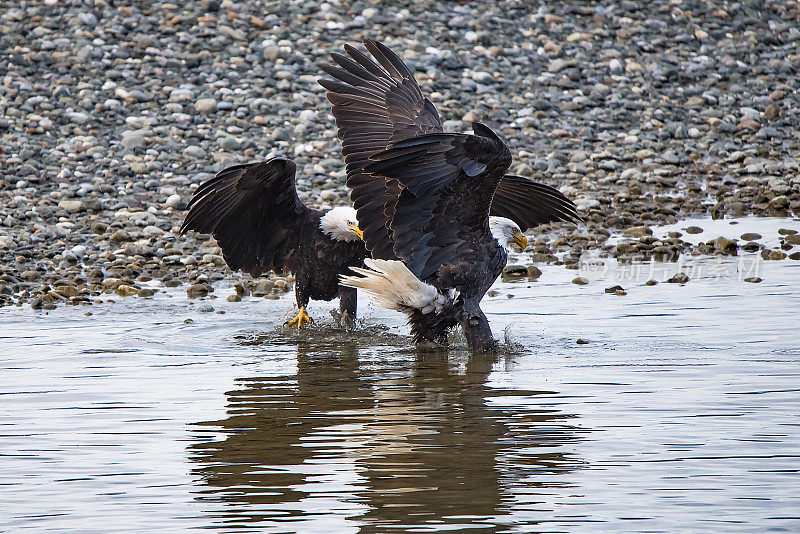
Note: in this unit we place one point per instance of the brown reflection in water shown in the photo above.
(423, 438)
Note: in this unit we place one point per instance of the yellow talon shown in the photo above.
(300, 318)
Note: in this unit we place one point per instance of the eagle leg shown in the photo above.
(348, 301)
(476, 328)
(301, 317)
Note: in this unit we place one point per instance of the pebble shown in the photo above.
(639, 118)
(152, 231)
(205, 105)
(173, 200)
(72, 206)
(580, 281)
(638, 231)
(534, 272)
(262, 287)
(88, 19)
(198, 290)
(125, 290)
(515, 270)
(725, 246)
(679, 278)
(270, 52)
(557, 65)
(120, 236)
(78, 117)
(133, 139)
(779, 203)
(308, 115)
(194, 151)
(229, 143)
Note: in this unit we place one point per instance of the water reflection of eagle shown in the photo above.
(419, 440)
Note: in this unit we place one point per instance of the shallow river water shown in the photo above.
(677, 412)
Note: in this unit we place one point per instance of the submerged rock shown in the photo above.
(125, 290)
(534, 272)
(725, 246)
(198, 290)
(515, 270)
(751, 236)
(679, 278)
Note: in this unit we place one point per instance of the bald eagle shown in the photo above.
(424, 198)
(253, 212)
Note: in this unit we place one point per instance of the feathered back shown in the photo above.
(448, 181)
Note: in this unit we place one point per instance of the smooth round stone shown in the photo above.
(205, 105)
(308, 115)
(173, 200)
(229, 143)
(194, 151)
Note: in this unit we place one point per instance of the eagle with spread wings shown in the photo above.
(437, 209)
(261, 225)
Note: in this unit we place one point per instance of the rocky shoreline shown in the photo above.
(642, 113)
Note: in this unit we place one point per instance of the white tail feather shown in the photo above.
(395, 287)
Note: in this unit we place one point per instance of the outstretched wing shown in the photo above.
(447, 185)
(530, 204)
(375, 104)
(252, 210)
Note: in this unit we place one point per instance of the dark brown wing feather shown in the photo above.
(530, 204)
(253, 212)
(375, 104)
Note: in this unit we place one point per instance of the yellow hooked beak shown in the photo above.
(359, 233)
(521, 240)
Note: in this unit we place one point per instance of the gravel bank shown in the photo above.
(642, 112)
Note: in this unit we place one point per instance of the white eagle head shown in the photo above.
(506, 232)
(341, 224)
